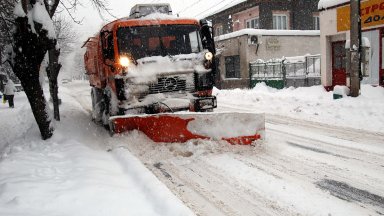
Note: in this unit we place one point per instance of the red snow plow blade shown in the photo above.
(235, 128)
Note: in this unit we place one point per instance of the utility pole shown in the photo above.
(355, 48)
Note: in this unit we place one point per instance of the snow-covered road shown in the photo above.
(303, 168)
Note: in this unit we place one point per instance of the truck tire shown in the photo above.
(97, 104)
(107, 107)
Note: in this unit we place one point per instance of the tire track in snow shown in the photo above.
(349, 193)
(224, 192)
(359, 170)
(315, 150)
(195, 179)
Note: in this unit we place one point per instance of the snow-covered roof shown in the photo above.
(324, 4)
(268, 32)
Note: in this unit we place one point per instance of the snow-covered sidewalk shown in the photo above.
(311, 103)
(74, 172)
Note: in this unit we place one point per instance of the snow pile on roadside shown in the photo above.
(14, 122)
(313, 104)
(69, 178)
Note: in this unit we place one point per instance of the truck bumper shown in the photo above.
(200, 104)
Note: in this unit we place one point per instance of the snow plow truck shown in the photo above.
(154, 72)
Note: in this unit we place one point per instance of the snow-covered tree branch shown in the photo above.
(31, 33)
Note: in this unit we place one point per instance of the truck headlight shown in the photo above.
(124, 61)
(208, 56)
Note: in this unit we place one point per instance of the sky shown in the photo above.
(92, 21)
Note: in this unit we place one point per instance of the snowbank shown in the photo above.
(76, 172)
(313, 104)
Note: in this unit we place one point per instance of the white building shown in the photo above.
(335, 32)
(237, 49)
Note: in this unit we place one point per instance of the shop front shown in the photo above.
(334, 42)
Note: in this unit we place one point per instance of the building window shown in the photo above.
(232, 66)
(219, 30)
(253, 23)
(280, 21)
(316, 22)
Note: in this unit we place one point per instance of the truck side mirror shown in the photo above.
(207, 36)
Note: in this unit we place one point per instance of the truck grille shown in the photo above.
(180, 83)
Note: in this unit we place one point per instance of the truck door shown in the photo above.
(107, 45)
(108, 55)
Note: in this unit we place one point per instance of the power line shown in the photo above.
(218, 9)
(189, 6)
(210, 8)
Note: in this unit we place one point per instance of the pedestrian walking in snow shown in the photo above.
(9, 92)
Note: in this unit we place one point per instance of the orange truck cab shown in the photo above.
(149, 63)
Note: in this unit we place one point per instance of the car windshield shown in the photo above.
(146, 41)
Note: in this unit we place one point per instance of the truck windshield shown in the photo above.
(146, 41)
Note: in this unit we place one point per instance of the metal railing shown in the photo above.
(290, 71)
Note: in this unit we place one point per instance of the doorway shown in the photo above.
(339, 63)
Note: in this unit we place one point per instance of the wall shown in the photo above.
(286, 46)
(329, 34)
(373, 37)
(300, 16)
(239, 19)
(231, 47)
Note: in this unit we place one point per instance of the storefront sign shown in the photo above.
(273, 43)
(372, 15)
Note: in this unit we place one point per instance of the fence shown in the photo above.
(291, 71)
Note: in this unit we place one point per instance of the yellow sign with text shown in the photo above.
(372, 15)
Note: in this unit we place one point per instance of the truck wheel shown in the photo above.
(106, 110)
(97, 105)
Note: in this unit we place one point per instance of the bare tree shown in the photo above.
(30, 39)
(65, 34)
(6, 11)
